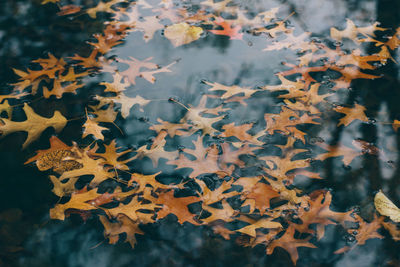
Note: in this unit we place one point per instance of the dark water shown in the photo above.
(28, 237)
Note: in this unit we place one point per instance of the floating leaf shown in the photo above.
(386, 207)
(182, 33)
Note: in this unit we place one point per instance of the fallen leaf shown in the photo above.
(182, 33)
(34, 124)
(386, 207)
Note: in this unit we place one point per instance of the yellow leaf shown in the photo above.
(182, 33)
(92, 128)
(386, 207)
(49, 1)
(7, 108)
(34, 124)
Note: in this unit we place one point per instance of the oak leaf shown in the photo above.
(348, 153)
(198, 122)
(206, 160)
(261, 194)
(143, 180)
(318, 212)
(78, 201)
(290, 244)
(351, 114)
(156, 150)
(104, 115)
(123, 225)
(177, 206)
(366, 230)
(225, 214)
(58, 89)
(91, 127)
(126, 102)
(118, 85)
(241, 133)
(102, 7)
(90, 166)
(228, 30)
(68, 10)
(266, 223)
(61, 189)
(212, 196)
(230, 91)
(34, 124)
(136, 66)
(352, 31)
(134, 210)
(286, 122)
(5, 107)
(111, 156)
(220, 6)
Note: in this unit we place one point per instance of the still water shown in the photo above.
(30, 30)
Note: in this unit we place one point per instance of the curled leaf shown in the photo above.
(386, 207)
(182, 33)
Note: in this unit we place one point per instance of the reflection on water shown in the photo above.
(183, 76)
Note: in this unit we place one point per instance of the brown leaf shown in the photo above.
(290, 244)
(123, 225)
(176, 206)
(78, 201)
(351, 114)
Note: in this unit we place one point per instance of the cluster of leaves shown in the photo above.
(265, 208)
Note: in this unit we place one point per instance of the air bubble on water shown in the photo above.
(356, 209)
(204, 34)
(350, 239)
(365, 151)
(371, 121)
(324, 60)
(337, 43)
(310, 160)
(144, 119)
(249, 43)
(317, 139)
(346, 167)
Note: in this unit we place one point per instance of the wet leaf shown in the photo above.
(182, 33)
(386, 207)
(34, 124)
